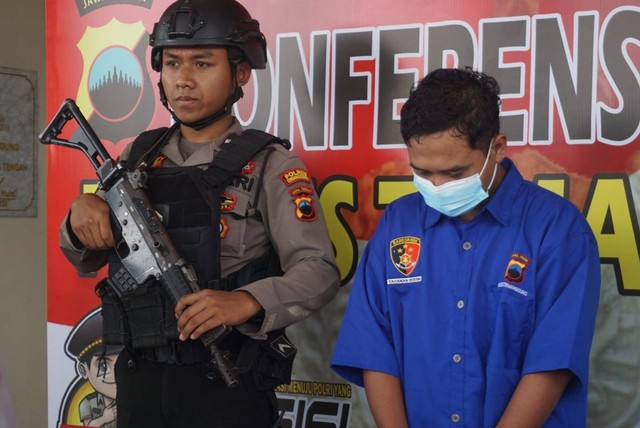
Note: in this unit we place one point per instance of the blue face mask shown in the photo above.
(457, 197)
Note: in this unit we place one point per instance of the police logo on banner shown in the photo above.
(115, 87)
(404, 253)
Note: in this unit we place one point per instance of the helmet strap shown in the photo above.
(206, 121)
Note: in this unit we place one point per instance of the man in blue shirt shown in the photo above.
(475, 300)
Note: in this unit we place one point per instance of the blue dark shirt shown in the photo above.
(461, 311)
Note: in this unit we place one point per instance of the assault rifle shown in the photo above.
(145, 248)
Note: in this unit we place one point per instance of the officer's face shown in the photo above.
(196, 80)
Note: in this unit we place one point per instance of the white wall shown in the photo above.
(23, 312)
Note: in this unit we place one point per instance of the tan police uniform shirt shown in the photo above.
(290, 219)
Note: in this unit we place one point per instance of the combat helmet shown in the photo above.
(223, 23)
(209, 23)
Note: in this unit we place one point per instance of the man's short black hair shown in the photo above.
(465, 100)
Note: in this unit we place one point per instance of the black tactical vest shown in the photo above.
(188, 201)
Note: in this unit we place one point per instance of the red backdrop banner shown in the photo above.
(337, 76)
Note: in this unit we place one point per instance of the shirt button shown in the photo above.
(467, 245)
(457, 358)
(460, 304)
(455, 418)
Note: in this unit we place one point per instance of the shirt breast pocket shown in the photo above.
(511, 318)
(234, 211)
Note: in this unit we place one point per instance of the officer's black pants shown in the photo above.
(156, 395)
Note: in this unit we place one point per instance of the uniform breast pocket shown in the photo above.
(511, 318)
(234, 212)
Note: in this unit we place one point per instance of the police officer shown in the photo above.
(260, 247)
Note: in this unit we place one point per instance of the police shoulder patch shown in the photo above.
(305, 211)
(301, 190)
(295, 175)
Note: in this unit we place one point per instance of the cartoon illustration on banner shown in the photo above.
(334, 85)
(90, 399)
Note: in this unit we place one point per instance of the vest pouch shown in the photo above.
(150, 315)
(114, 321)
(272, 362)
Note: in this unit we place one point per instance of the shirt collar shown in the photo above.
(432, 216)
(208, 149)
(501, 203)
(234, 129)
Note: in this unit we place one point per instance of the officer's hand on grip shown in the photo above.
(207, 309)
(90, 221)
